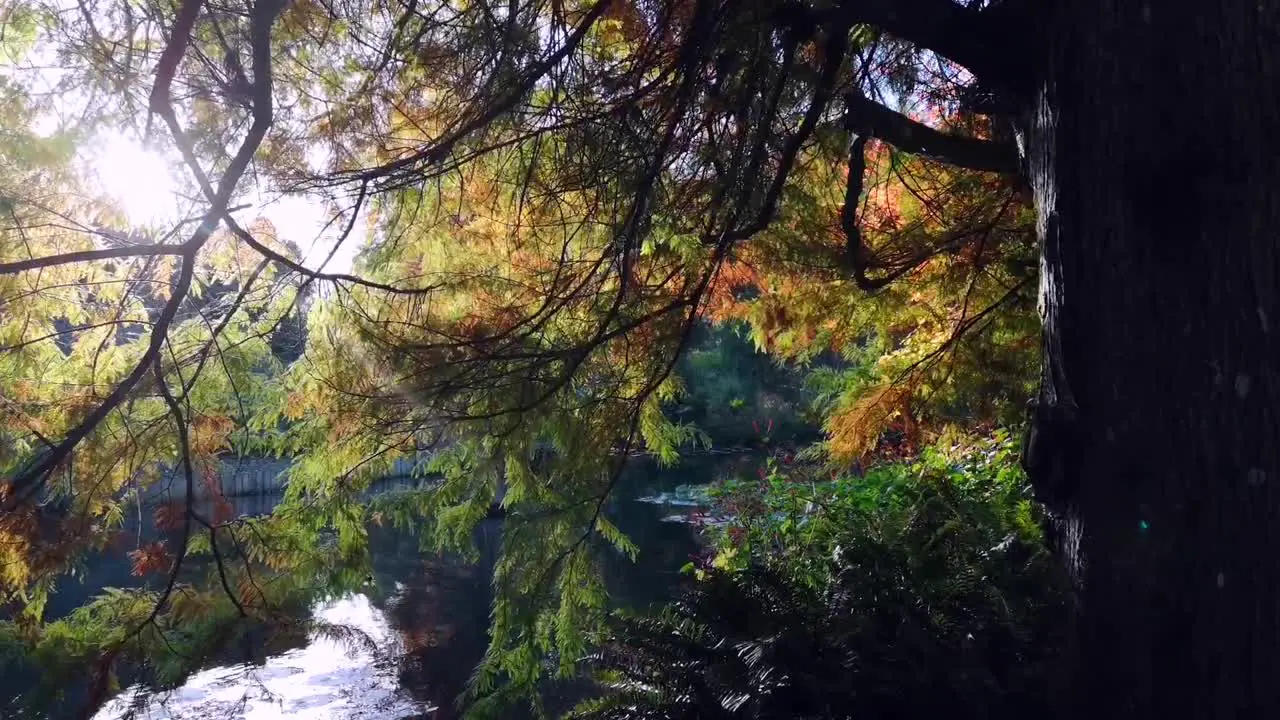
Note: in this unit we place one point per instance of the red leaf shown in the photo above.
(150, 558)
(170, 516)
(223, 510)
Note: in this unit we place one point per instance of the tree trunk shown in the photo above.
(1155, 158)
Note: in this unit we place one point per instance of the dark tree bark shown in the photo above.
(1154, 152)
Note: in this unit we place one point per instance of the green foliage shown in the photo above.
(801, 513)
(920, 590)
(738, 394)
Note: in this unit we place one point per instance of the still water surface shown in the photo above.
(427, 616)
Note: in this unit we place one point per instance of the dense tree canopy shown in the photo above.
(547, 198)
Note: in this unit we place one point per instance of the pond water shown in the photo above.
(427, 617)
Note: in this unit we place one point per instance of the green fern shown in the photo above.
(938, 603)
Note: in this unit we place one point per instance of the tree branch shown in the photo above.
(174, 50)
(966, 36)
(97, 692)
(18, 266)
(853, 249)
(244, 236)
(30, 478)
(184, 446)
(440, 148)
(822, 96)
(74, 329)
(222, 325)
(27, 481)
(857, 258)
(871, 119)
(222, 569)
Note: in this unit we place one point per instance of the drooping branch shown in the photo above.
(853, 249)
(217, 331)
(822, 97)
(856, 255)
(311, 275)
(10, 347)
(97, 692)
(220, 564)
(31, 478)
(858, 259)
(443, 146)
(871, 119)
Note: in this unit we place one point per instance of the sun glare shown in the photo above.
(138, 179)
(146, 190)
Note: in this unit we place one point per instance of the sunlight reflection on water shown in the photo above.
(322, 681)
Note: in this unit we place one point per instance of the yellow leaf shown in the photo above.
(209, 434)
(852, 431)
(722, 559)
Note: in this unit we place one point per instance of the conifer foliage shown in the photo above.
(543, 199)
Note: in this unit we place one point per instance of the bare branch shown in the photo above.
(222, 569)
(70, 330)
(961, 34)
(180, 426)
(18, 266)
(869, 118)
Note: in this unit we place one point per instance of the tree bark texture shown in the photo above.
(1154, 153)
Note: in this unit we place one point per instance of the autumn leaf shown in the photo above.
(223, 510)
(209, 434)
(853, 431)
(150, 558)
(170, 516)
(246, 590)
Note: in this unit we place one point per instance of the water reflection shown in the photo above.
(440, 612)
(325, 678)
(427, 616)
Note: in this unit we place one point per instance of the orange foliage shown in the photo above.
(733, 277)
(246, 590)
(209, 434)
(211, 478)
(170, 516)
(854, 431)
(153, 557)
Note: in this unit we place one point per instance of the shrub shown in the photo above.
(918, 590)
